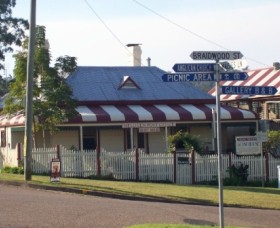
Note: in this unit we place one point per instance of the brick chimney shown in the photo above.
(135, 53)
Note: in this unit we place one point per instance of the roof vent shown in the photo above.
(276, 65)
(149, 61)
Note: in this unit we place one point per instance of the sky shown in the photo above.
(97, 31)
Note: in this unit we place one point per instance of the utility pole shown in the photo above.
(218, 131)
(29, 94)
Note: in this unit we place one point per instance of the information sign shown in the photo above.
(247, 145)
(216, 55)
(193, 67)
(188, 77)
(249, 90)
(234, 76)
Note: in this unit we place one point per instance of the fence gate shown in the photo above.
(183, 169)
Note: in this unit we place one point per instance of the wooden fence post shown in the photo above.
(18, 154)
(58, 152)
(136, 164)
(266, 166)
(174, 167)
(193, 165)
(98, 163)
(229, 164)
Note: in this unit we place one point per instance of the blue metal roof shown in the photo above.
(102, 84)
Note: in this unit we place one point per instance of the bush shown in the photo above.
(238, 175)
(13, 170)
(184, 140)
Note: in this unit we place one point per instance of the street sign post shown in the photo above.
(212, 72)
(234, 76)
(249, 90)
(216, 55)
(188, 77)
(193, 67)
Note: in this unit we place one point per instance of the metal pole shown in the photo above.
(29, 94)
(218, 110)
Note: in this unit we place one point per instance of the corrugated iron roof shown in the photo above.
(103, 84)
(260, 77)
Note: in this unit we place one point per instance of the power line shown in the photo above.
(179, 26)
(109, 29)
(191, 32)
(106, 26)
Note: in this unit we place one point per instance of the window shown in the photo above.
(3, 138)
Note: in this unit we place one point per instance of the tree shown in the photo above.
(273, 143)
(11, 29)
(52, 97)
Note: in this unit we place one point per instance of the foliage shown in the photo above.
(273, 143)
(184, 140)
(52, 97)
(13, 170)
(238, 175)
(11, 29)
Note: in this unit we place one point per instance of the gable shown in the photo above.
(128, 83)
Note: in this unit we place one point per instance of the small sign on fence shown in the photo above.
(55, 170)
(183, 160)
(247, 145)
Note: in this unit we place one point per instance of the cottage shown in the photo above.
(123, 107)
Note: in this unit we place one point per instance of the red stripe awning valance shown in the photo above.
(145, 113)
(158, 113)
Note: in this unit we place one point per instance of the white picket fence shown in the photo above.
(148, 167)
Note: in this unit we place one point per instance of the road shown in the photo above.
(27, 207)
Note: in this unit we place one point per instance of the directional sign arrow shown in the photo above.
(193, 67)
(216, 55)
(188, 77)
(249, 90)
(234, 76)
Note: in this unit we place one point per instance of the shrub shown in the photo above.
(238, 175)
(184, 140)
(13, 170)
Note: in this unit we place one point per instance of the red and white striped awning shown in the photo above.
(16, 120)
(261, 77)
(158, 113)
(145, 113)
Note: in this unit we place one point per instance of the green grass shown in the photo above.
(174, 226)
(251, 197)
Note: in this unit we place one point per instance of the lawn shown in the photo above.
(251, 197)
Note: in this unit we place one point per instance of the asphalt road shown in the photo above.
(22, 207)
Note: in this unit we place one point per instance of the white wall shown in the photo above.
(112, 140)
(67, 138)
(157, 141)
